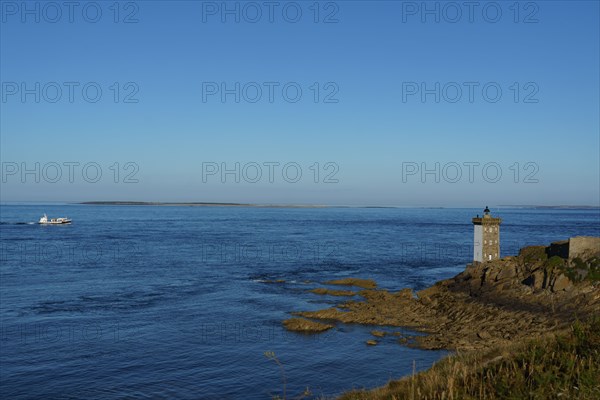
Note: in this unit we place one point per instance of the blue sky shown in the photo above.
(373, 128)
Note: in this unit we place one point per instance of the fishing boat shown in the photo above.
(53, 221)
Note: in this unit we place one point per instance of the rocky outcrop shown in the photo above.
(535, 270)
(305, 326)
(363, 283)
(487, 304)
(325, 291)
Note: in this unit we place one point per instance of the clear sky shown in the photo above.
(370, 113)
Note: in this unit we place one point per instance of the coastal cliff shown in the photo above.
(487, 304)
(492, 305)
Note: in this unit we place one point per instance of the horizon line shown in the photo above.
(284, 205)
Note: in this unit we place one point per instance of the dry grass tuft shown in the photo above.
(565, 365)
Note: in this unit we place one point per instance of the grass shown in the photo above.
(577, 266)
(562, 366)
(271, 356)
(592, 266)
(576, 269)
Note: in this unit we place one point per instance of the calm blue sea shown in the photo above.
(165, 302)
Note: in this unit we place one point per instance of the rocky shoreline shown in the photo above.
(489, 304)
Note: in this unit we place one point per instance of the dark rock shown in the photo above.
(529, 281)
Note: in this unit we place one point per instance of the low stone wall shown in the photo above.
(580, 246)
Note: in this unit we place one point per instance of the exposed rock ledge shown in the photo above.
(488, 304)
(363, 283)
(305, 326)
(325, 291)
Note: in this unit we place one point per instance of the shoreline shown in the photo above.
(488, 307)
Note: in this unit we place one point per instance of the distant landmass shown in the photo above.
(551, 207)
(196, 204)
(218, 204)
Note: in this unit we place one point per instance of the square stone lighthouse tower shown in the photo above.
(486, 238)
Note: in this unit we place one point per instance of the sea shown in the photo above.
(156, 302)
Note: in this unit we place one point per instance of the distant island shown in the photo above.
(195, 204)
(563, 207)
(219, 204)
(224, 204)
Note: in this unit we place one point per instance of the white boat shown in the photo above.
(53, 221)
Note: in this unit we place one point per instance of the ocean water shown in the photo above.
(183, 302)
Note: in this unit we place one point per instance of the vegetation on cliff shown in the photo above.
(565, 365)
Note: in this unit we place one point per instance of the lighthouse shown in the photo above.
(486, 237)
